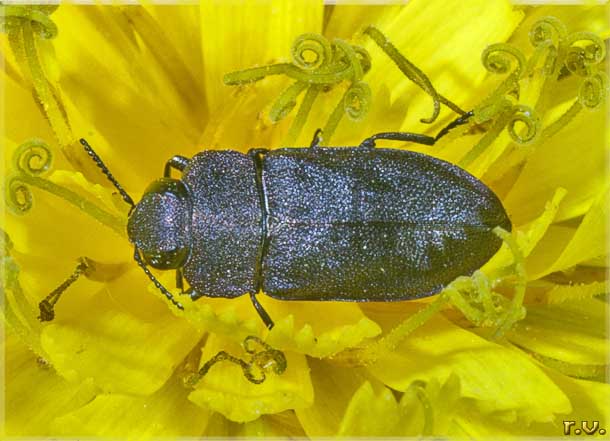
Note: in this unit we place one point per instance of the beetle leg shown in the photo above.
(453, 124)
(177, 162)
(316, 140)
(416, 137)
(261, 312)
(180, 281)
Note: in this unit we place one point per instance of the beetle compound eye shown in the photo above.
(173, 259)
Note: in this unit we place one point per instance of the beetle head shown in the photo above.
(159, 226)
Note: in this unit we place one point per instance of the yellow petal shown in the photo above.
(166, 413)
(18, 101)
(43, 230)
(589, 399)
(240, 35)
(334, 387)
(589, 403)
(499, 378)
(574, 159)
(297, 325)
(424, 40)
(564, 247)
(138, 111)
(123, 338)
(371, 414)
(302, 331)
(283, 425)
(225, 389)
(572, 332)
(425, 409)
(347, 19)
(35, 395)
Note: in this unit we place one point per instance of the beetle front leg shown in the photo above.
(180, 281)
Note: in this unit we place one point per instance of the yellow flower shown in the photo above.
(143, 83)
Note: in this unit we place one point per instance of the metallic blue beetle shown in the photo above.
(350, 224)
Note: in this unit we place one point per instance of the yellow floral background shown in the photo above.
(143, 83)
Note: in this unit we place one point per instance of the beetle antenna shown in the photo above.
(166, 293)
(98, 161)
(46, 306)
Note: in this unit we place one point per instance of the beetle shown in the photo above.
(314, 223)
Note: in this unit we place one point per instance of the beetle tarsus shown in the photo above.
(261, 312)
(453, 124)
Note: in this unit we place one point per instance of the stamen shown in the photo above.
(357, 101)
(548, 29)
(317, 65)
(413, 73)
(23, 322)
(593, 90)
(528, 118)
(47, 305)
(580, 59)
(301, 116)
(256, 370)
(516, 311)
(286, 101)
(314, 44)
(488, 138)
(496, 58)
(22, 38)
(32, 159)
